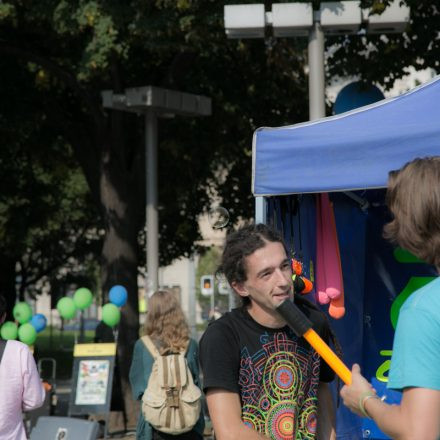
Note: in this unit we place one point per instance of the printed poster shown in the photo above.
(92, 382)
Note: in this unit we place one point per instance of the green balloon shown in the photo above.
(111, 314)
(82, 298)
(9, 330)
(66, 307)
(27, 333)
(22, 312)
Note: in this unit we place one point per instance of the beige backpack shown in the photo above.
(171, 402)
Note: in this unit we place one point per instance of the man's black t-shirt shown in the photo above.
(275, 373)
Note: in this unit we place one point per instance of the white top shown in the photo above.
(20, 389)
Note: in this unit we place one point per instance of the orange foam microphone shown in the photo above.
(302, 326)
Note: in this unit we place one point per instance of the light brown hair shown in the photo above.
(166, 324)
(413, 197)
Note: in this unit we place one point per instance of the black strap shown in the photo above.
(2, 348)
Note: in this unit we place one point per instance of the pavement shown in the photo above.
(116, 421)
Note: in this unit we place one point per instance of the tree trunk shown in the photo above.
(119, 266)
(7, 283)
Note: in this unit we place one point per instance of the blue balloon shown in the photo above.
(39, 322)
(118, 295)
(354, 95)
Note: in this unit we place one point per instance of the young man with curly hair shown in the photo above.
(260, 379)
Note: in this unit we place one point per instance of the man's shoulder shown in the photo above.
(227, 325)
(16, 352)
(232, 319)
(16, 346)
(312, 311)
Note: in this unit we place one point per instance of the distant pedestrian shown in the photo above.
(20, 385)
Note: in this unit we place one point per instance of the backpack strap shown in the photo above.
(150, 346)
(178, 387)
(2, 348)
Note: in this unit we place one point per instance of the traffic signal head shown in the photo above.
(207, 284)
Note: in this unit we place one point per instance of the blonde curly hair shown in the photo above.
(166, 324)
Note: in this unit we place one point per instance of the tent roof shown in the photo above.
(353, 150)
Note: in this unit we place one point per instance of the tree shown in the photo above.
(79, 48)
(385, 58)
(48, 220)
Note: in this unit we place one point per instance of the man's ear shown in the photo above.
(240, 288)
(2, 318)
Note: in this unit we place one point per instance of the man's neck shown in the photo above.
(266, 318)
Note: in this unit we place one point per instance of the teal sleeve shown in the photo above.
(140, 369)
(416, 350)
(192, 357)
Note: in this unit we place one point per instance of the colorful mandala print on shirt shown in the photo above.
(278, 388)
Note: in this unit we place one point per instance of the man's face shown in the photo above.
(269, 277)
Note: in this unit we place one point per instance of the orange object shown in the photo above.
(302, 326)
(297, 266)
(303, 285)
(328, 355)
(308, 286)
(47, 386)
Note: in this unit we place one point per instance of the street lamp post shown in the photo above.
(299, 19)
(151, 214)
(316, 72)
(155, 102)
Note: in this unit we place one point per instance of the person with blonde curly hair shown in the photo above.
(167, 327)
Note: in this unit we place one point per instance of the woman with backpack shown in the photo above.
(164, 374)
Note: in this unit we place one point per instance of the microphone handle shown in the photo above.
(302, 326)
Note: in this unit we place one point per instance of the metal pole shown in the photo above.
(231, 298)
(152, 218)
(316, 72)
(260, 209)
(192, 297)
(212, 305)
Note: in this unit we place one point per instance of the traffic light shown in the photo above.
(207, 285)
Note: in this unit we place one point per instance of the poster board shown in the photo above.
(92, 378)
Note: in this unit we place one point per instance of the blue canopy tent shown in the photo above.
(350, 156)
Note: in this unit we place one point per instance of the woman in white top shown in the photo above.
(20, 385)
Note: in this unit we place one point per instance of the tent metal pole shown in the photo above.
(260, 210)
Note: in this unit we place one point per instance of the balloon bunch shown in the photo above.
(300, 283)
(29, 325)
(111, 314)
(67, 307)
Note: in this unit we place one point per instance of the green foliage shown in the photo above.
(47, 219)
(383, 59)
(60, 54)
(79, 48)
